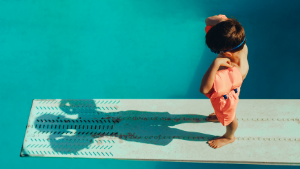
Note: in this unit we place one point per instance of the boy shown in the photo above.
(223, 79)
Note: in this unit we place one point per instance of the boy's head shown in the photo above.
(226, 35)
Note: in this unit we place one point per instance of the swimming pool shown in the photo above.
(130, 50)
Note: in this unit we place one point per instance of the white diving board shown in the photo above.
(162, 130)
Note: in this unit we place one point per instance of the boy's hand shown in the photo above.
(222, 62)
(213, 20)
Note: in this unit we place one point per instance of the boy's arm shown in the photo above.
(209, 77)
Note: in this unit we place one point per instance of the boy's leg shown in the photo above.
(212, 118)
(227, 138)
(231, 128)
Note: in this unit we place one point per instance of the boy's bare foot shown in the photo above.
(220, 141)
(212, 117)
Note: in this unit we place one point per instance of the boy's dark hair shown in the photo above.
(226, 35)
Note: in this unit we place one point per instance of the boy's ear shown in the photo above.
(227, 54)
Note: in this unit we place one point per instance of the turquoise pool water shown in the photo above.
(125, 49)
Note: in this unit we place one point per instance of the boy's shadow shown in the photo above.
(72, 135)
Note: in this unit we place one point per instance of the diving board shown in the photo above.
(162, 130)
